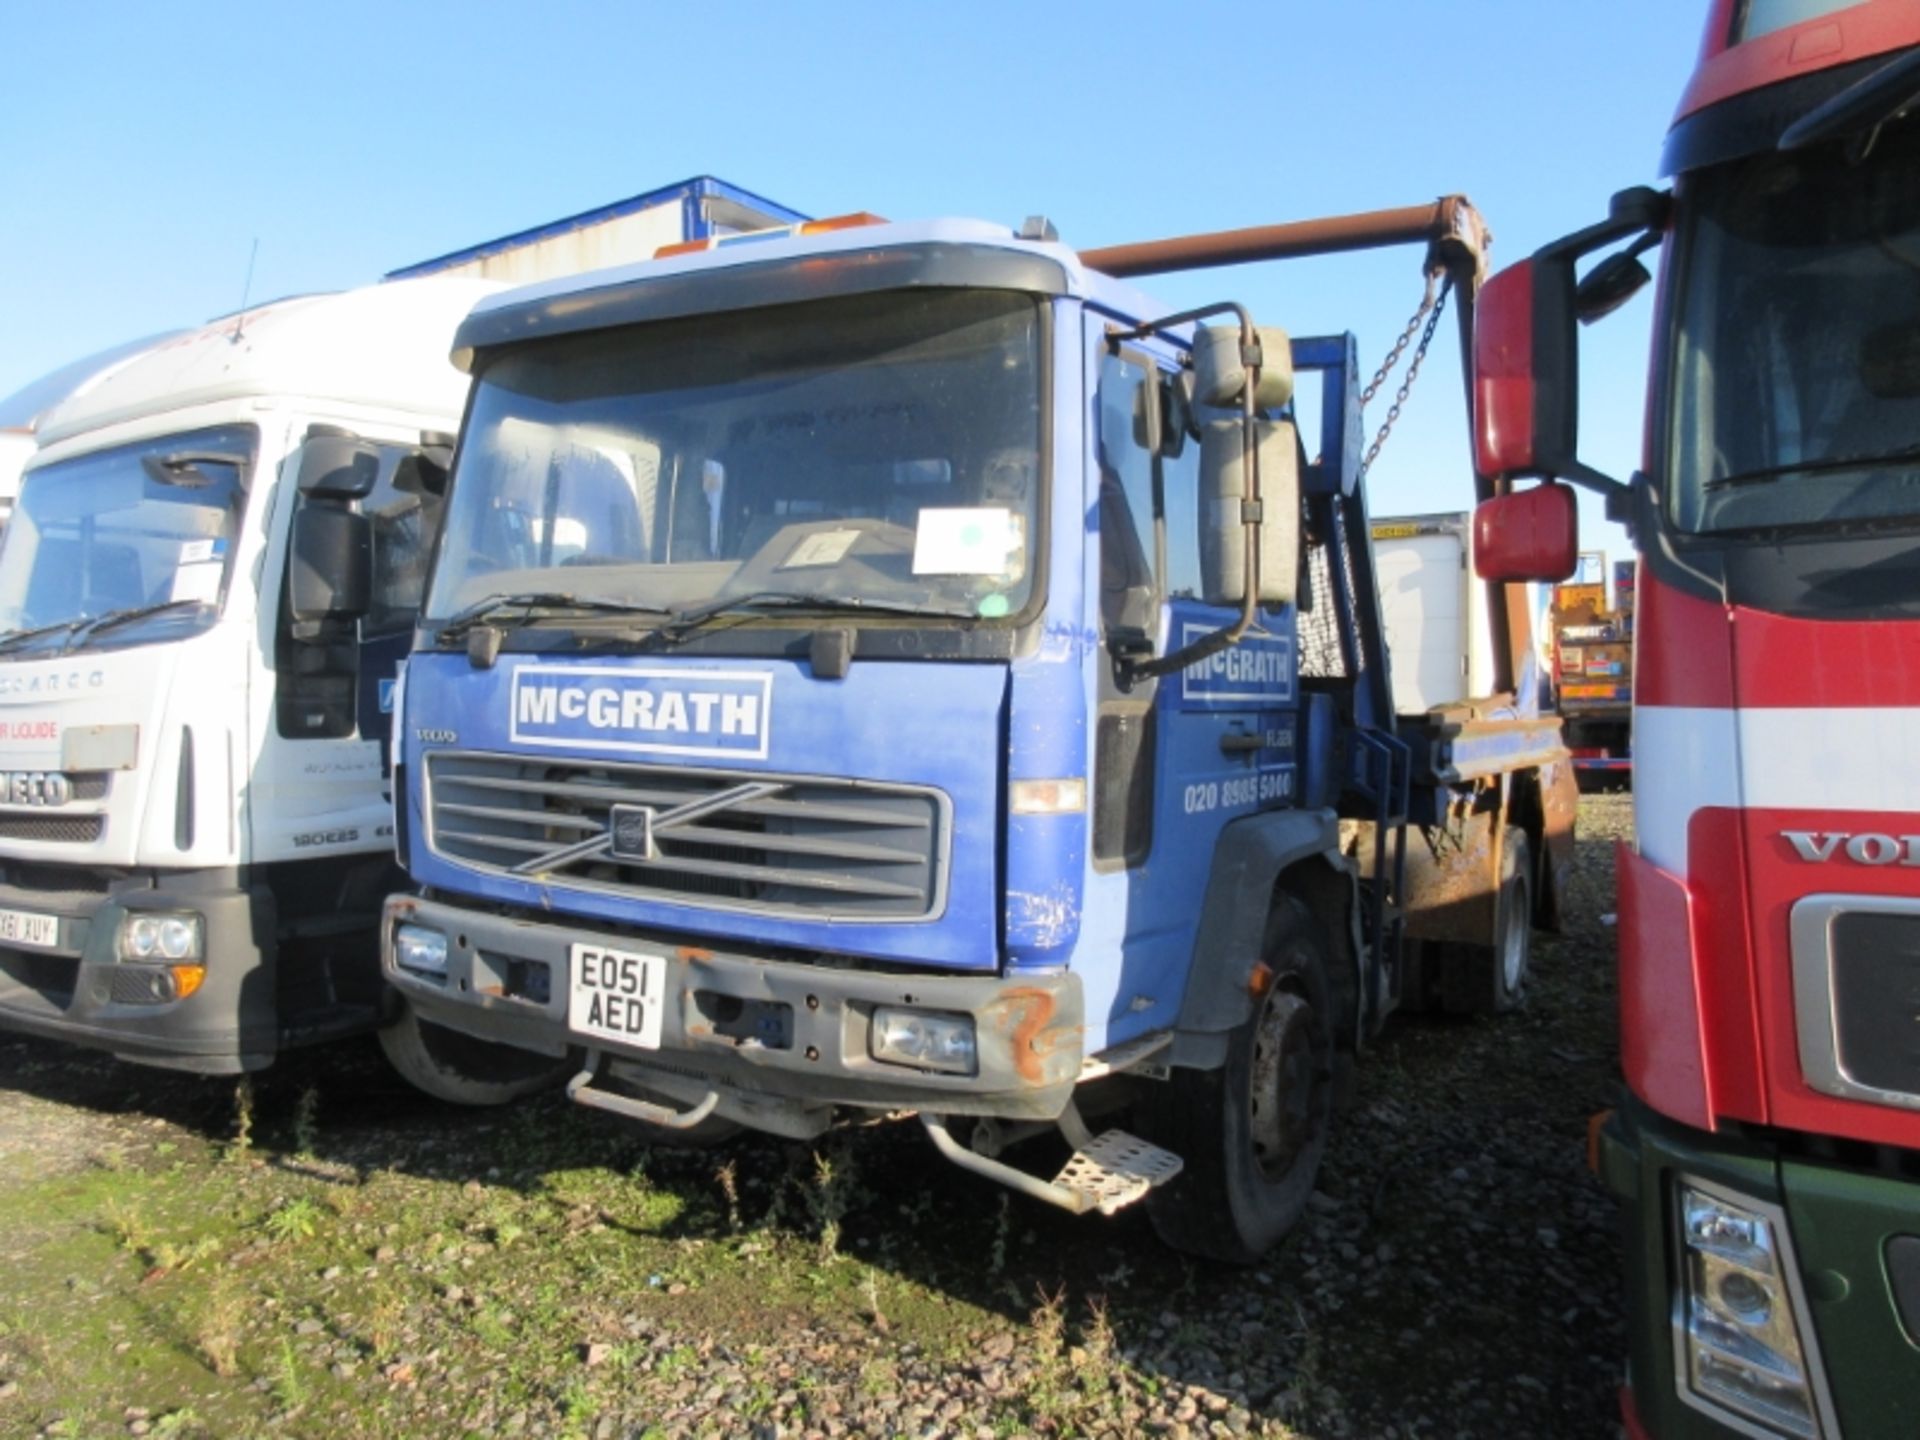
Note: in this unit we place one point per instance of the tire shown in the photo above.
(1253, 1132)
(1492, 979)
(461, 1070)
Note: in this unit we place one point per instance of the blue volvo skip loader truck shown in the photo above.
(901, 668)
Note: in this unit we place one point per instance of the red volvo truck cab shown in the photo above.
(1767, 1152)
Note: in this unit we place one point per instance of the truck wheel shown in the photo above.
(462, 1070)
(1253, 1132)
(1491, 979)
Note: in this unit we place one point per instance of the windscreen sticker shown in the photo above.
(823, 547)
(975, 540)
(198, 580)
(676, 712)
(193, 551)
(1257, 671)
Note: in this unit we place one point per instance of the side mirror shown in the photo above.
(1609, 285)
(1526, 371)
(1529, 535)
(337, 465)
(329, 567)
(1223, 569)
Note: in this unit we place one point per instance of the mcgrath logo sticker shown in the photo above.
(714, 713)
(1257, 671)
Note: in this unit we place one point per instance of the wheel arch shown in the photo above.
(1281, 852)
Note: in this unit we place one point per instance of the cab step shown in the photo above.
(1114, 1169)
(1107, 1172)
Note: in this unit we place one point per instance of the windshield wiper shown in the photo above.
(484, 610)
(15, 638)
(107, 619)
(82, 627)
(757, 602)
(1811, 467)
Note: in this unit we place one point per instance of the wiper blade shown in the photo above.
(14, 638)
(82, 627)
(87, 629)
(756, 602)
(486, 609)
(1812, 467)
(1873, 101)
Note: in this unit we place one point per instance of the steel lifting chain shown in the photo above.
(1432, 306)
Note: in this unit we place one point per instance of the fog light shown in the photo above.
(925, 1040)
(1743, 1355)
(420, 951)
(148, 936)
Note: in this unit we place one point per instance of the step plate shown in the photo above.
(1117, 1169)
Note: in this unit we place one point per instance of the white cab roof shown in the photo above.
(383, 345)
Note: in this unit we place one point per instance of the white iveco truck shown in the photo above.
(207, 585)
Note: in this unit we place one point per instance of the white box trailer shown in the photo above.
(1435, 611)
(616, 234)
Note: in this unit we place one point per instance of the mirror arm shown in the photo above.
(1127, 670)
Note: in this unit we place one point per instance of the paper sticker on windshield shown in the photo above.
(823, 547)
(193, 551)
(971, 541)
(198, 581)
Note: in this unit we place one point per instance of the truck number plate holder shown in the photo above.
(26, 927)
(616, 996)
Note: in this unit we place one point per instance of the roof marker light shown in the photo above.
(852, 221)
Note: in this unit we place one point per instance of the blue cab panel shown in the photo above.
(537, 722)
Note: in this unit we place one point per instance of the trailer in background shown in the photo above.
(1435, 613)
(1592, 635)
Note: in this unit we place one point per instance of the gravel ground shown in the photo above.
(333, 1256)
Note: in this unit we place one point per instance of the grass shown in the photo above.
(458, 1263)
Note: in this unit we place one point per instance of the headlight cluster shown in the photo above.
(925, 1039)
(1742, 1343)
(160, 937)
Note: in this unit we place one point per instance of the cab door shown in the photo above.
(1175, 759)
(318, 786)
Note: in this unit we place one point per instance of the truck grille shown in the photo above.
(1876, 990)
(843, 849)
(52, 829)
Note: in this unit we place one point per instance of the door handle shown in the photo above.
(1238, 742)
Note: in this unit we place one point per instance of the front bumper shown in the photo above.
(754, 1028)
(1844, 1223)
(79, 990)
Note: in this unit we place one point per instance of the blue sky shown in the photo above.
(146, 148)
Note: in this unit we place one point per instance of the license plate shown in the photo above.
(23, 927)
(617, 995)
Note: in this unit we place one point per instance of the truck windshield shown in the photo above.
(878, 450)
(108, 548)
(1796, 390)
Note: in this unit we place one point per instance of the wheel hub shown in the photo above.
(1288, 1073)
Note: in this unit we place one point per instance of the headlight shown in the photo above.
(926, 1040)
(1741, 1343)
(160, 937)
(420, 951)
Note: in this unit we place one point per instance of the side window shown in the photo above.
(403, 517)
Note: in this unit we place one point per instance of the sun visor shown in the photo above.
(636, 299)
